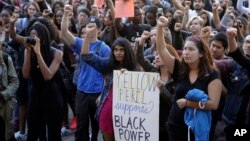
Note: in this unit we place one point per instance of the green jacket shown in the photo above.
(10, 84)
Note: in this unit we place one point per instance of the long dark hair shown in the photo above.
(54, 34)
(206, 64)
(45, 41)
(129, 61)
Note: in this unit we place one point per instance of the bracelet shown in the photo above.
(186, 103)
(201, 105)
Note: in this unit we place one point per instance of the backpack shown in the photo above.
(8, 50)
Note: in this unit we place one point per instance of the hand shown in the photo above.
(14, 18)
(231, 33)
(178, 27)
(90, 28)
(188, 3)
(178, 14)
(16, 9)
(98, 100)
(94, 10)
(123, 70)
(182, 103)
(205, 32)
(162, 21)
(46, 12)
(215, 7)
(186, 10)
(36, 47)
(160, 84)
(145, 35)
(68, 9)
(110, 3)
(229, 9)
(155, 2)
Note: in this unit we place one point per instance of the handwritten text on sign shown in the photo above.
(135, 106)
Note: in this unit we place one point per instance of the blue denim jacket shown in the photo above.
(100, 64)
(236, 81)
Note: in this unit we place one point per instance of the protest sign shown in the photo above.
(124, 8)
(135, 106)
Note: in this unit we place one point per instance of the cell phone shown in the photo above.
(159, 12)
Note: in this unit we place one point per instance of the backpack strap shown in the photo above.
(5, 59)
(98, 48)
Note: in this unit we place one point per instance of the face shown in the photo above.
(119, 53)
(59, 15)
(83, 33)
(138, 16)
(107, 20)
(153, 36)
(230, 22)
(82, 17)
(151, 19)
(33, 32)
(5, 15)
(217, 49)
(204, 17)
(158, 61)
(246, 46)
(238, 23)
(31, 10)
(57, 6)
(169, 16)
(198, 5)
(139, 3)
(195, 26)
(191, 54)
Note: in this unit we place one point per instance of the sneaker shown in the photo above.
(73, 124)
(66, 131)
(20, 137)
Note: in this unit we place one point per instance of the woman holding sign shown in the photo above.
(122, 57)
(165, 84)
(195, 71)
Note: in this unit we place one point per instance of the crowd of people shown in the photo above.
(60, 54)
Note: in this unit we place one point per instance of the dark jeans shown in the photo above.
(45, 108)
(85, 110)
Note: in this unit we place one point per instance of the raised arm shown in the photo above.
(19, 39)
(232, 43)
(146, 65)
(89, 29)
(65, 33)
(216, 17)
(97, 62)
(177, 5)
(234, 51)
(167, 58)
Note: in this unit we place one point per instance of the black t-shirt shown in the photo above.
(183, 85)
(131, 32)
